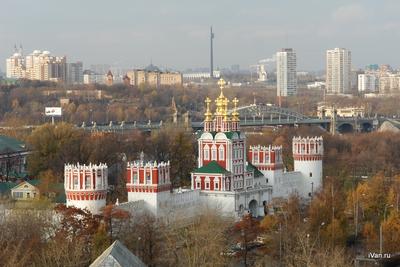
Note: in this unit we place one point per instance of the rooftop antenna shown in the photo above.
(15, 48)
(211, 53)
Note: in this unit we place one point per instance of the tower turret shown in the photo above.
(307, 154)
(268, 160)
(148, 181)
(86, 186)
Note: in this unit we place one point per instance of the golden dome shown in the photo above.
(222, 101)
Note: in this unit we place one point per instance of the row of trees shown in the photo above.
(24, 104)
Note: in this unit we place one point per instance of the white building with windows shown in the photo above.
(15, 66)
(286, 73)
(338, 71)
(367, 83)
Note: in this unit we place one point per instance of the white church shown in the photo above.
(226, 177)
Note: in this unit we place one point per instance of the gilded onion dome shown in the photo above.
(222, 101)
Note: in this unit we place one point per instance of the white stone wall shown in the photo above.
(313, 169)
(94, 206)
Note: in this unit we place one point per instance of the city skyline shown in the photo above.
(175, 35)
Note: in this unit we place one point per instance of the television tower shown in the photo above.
(211, 54)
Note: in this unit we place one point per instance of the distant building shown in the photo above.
(38, 65)
(153, 77)
(367, 83)
(389, 83)
(286, 72)
(90, 77)
(26, 190)
(343, 112)
(15, 66)
(75, 73)
(43, 66)
(316, 85)
(338, 71)
(193, 76)
(109, 78)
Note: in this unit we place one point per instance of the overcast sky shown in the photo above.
(174, 33)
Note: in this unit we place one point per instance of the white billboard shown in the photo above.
(53, 111)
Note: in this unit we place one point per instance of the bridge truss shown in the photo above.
(268, 112)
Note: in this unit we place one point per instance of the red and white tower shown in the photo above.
(307, 154)
(86, 186)
(149, 182)
(268, 160)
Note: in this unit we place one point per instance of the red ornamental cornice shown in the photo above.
(307, 157)
(147, 188)
(270, 167)
(86, 195)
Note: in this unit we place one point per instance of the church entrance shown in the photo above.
(253, 207)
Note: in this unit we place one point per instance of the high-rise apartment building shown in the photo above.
(338, 71)
(367, 83)
(15, 66)
(286, 74)
(37, 66)
(75, 73)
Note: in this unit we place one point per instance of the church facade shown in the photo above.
(228, 177)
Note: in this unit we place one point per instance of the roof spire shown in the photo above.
(235, 114)
(208, 113)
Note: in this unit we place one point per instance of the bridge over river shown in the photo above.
(260, 116)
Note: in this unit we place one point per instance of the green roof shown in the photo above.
(8, 144)
(34, 182)
(250, 167)
(211, 167)
(229, 135)
(5, 187)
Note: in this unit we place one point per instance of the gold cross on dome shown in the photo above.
(235, 101)
(221, 83)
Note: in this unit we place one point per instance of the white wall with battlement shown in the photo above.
(86, 186)
(308, 154)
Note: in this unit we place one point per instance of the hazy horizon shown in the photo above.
(175, 34)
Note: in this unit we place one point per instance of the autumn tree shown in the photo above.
(52, 146)
(246, 232)
(203, 242)
(114, 219)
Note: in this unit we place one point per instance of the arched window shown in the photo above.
(221, 152)
(214, 153)
(206, 152)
